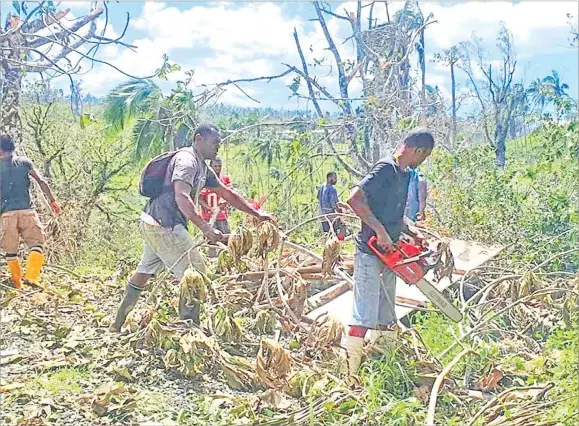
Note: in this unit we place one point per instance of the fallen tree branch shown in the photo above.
(439, 379)
(555, 256)
(319, 258)
(501, 395)
(481, 324)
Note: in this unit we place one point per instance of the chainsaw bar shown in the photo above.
(438, 300)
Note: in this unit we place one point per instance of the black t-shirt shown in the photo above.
(386, 189)
(15, 184)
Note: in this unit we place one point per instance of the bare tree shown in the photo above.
(450, 58)
(494, 91)
(42, 41)
(382, 66)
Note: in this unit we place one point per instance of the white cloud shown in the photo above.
(259, 27)
(533, 24)
(245, 40)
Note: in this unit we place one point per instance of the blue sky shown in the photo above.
(222, 41)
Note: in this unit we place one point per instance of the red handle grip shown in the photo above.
(405, 261)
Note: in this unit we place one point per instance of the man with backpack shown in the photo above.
(173, 182)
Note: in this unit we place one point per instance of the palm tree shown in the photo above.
(547, 90)
(162, 122)
(554, 82)
(540, 93)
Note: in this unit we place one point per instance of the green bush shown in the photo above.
(532, 204)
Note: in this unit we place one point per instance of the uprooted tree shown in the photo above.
(39, 40)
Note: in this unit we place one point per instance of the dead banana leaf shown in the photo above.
(225, 326)
(193, 286)
(529, 283)
(326, 333)
(273, 364)
(264, 322)
(196, 352)
(491, 381)
(239, 373)
(444, 261)
(297, 296)
(238, 298)
(267, 238)
(239, 243)
(225, 262)
(331, 256)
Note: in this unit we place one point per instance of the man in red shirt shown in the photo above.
(210, 201)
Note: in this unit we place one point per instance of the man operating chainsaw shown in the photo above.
(380, 200)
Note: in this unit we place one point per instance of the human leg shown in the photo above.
(366, 308)
(32, 234)
(149, 266)
(9, 242)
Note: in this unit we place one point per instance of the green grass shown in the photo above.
(437, 332)
(62, 382)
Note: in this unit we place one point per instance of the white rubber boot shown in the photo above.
(352, 351)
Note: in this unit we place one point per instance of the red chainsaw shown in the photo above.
(411, 261)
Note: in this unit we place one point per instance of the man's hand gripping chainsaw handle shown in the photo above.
(407, 260)
(410, 262)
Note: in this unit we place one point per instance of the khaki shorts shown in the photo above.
(168, 248)
(18, 224)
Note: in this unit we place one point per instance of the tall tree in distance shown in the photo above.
(495, 92)
(450, 58)
(549, 91)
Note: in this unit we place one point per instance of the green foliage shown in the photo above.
(387, 377)
(63, 381)
(561, 355)
(437, 331)
(158, 122)
(533, 204)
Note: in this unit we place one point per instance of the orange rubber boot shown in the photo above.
(33, 266)
(15, 272)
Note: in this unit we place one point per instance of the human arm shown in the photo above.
(45, 189)
(413, 232)
(236, 200)
(187, 207)
(369, 192)
(359, 204)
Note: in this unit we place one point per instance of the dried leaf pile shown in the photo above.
(254, 360)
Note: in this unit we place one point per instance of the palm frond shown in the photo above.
(129, 100)
(147, 137)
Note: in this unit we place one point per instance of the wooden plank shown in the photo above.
(327, 295)
(467, 256)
